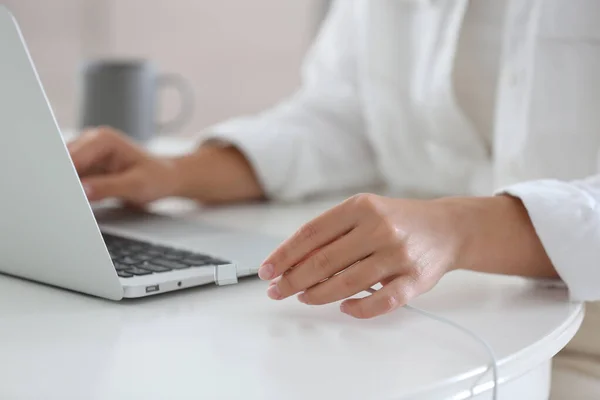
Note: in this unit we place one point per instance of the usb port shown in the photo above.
(153, 288)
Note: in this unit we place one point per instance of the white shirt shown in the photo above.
(451, 97)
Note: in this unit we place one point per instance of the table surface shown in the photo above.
(234, 343)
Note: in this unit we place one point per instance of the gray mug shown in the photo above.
(124, 95)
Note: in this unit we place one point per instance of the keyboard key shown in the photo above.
(142, 257)
(120, 253)
(129, 260)
(154, 268)
(137, 271)
(195, 262)
(172, 256)
(169, 263)
(154, 252)
(121, 267)
(123, 274)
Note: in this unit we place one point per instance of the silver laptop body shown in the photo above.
(49, 233)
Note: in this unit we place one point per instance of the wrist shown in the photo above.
(187, 172)
(498, 237)
(214, 174)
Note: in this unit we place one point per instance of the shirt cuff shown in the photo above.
(566, 221)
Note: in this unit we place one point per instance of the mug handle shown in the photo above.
(187, 102)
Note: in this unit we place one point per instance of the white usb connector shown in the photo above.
(226, 274)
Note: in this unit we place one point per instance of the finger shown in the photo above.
(124, 186)
(313, 235)
(353, 280)
(274, 282)
(324, 263)
(395, 294)
(93, 148)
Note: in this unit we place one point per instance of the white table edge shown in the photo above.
(510, 367)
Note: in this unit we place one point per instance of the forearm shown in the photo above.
(216, 174)
(502, 239)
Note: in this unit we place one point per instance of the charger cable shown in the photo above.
(493, 361)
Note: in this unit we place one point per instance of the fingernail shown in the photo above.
(392, 304)
(303, 298)
(344, 308)
(266, 272)
(274, 293)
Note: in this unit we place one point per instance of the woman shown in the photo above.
(494, 103)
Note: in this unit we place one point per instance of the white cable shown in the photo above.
(494, 362)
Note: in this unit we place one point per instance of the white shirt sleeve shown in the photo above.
(313, 142)
(566, 217)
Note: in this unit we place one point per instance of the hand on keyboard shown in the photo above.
(112, 166)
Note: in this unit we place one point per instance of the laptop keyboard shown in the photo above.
(136, 258)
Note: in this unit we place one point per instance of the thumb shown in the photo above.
(122, 186)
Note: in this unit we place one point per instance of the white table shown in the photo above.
(234, 343)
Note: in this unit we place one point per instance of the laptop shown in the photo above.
(50, 233)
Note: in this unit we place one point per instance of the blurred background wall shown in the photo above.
(239, 56)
